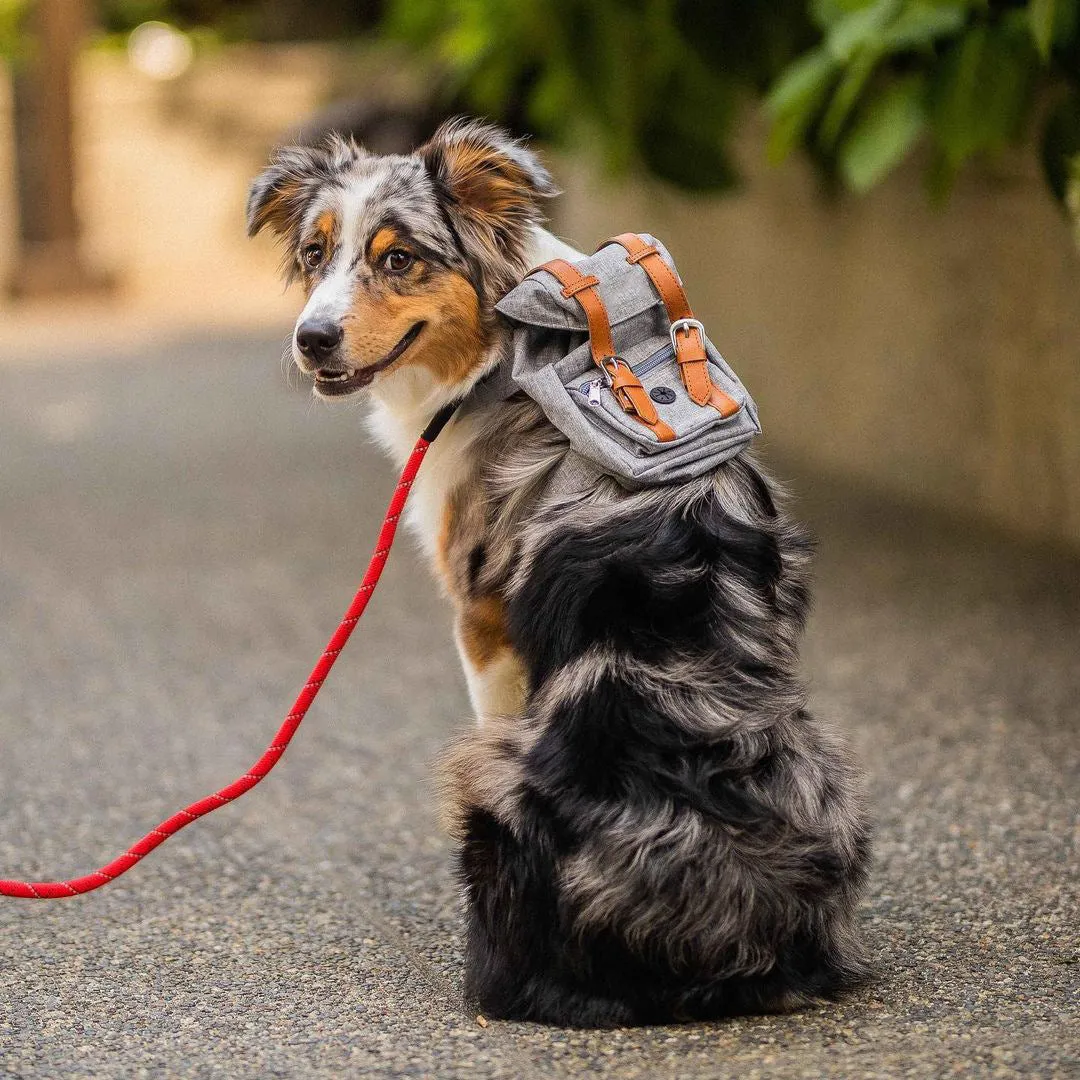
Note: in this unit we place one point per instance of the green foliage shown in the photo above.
(13, 42)
(961, 75)
(652, 84)
(656, 84)
(964, 77)
(882, 135)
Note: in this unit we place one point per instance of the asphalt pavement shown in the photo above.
(179, 532)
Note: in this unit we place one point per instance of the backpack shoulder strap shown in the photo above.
(583, 290)
(686, 332)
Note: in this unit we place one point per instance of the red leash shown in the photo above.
(55, 890)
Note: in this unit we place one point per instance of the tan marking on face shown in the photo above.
(482, 630)
(382, 242)
(458, 347)
(324, 231)
(451, 344)
(326, 225)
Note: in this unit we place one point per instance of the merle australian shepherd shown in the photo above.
(650, 825)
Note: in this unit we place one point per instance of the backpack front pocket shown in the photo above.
(661, 378)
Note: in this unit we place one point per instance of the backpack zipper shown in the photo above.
(643, 367)
(592, 389)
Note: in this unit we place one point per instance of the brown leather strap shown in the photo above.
(583, 290)
(689, 344)
(632, 397)
(723, 403)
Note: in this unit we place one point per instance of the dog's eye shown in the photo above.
(312, 256)
(397, 261)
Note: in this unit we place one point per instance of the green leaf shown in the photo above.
(884, 133)
(1041, 14)
(805, 80)
(861, 28)
(827, 13)
(795, 99)
(922, 23)
(982, 91)
(846, 94)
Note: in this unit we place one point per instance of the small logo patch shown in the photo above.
(663, 395)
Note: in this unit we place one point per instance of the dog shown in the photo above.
(650, 825)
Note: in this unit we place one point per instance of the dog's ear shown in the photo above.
(282, 191)
(490, 183)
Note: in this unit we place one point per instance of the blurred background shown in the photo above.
(876, 207)
(876, 202)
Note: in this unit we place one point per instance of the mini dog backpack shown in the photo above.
(612, 353)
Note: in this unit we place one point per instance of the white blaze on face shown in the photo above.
(331, 299)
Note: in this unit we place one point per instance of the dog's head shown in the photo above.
(402, 257)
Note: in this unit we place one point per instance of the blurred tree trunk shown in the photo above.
(47, 260)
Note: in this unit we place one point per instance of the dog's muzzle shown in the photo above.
(333, 377)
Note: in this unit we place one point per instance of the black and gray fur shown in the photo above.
(666, 834)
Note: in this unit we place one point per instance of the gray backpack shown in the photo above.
(612, 353)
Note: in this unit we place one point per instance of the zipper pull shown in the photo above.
(594, 392)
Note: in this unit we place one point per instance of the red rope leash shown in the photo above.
(55, 890)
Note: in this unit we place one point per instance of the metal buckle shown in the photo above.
(685, 324)
(616, 360)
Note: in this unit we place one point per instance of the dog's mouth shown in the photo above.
(330, 382)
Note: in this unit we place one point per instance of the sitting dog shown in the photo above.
(651, 826)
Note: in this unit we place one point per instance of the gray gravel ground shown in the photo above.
(178, 535)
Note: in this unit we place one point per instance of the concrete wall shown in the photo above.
(931, 353)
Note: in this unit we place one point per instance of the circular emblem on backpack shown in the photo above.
(663, 395)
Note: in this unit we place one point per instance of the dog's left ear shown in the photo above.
(491, 183)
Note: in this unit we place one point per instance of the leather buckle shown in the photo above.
(626, 402)
(687, 325)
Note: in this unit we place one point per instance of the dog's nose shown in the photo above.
(318, 339)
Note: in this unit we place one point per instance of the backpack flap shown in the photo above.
(538, 299)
